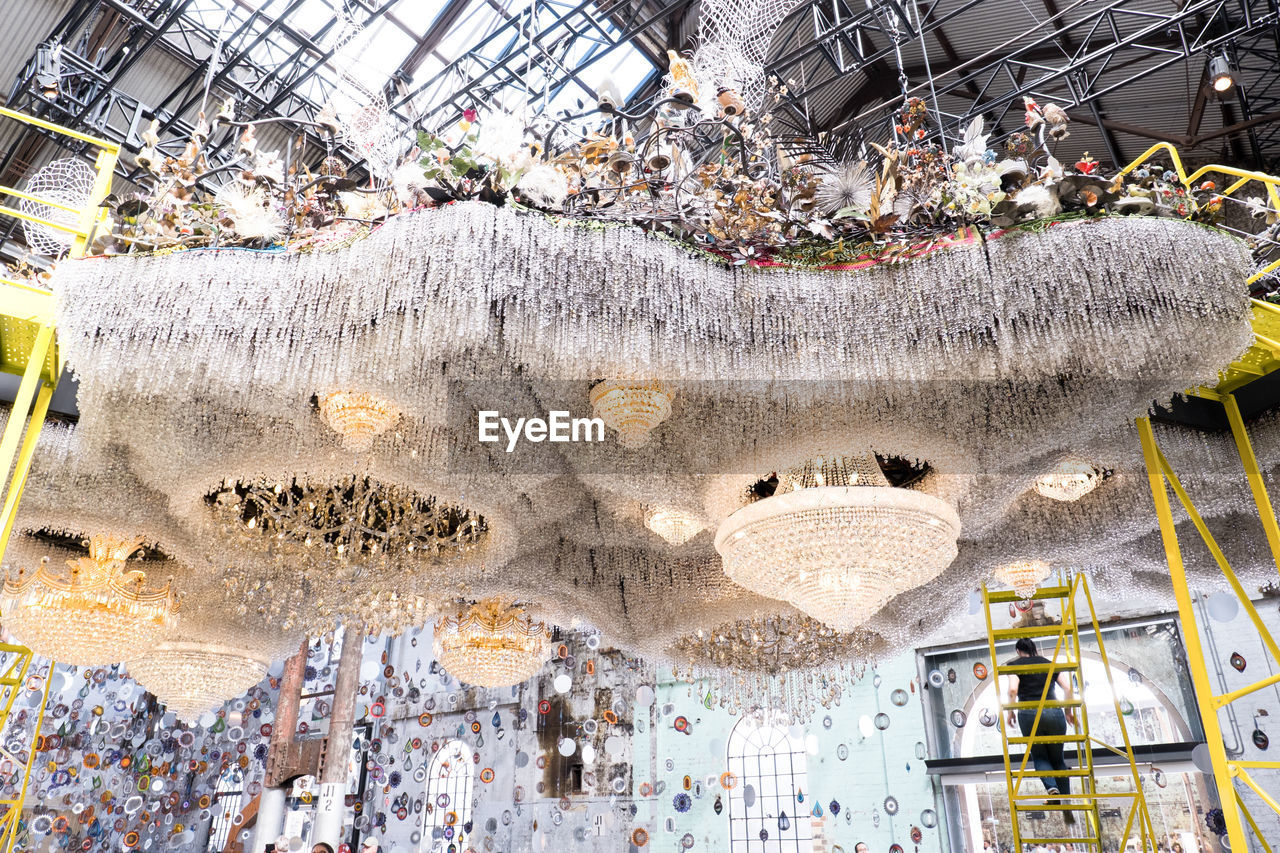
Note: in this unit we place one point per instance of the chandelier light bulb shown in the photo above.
(1070, 480)
(632, 407)
(100, 613)
(358, 417)
(492, 644)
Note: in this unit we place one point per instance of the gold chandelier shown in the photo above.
(632, 407)
(354, 518)
(1024, 576)
(492, 644)
(837, 541)
(192, 678)
(359, 417)
(771, 645)
(100, 614)
(672, 524)
(1070, 480)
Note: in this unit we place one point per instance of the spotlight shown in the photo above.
(1220, 74)
(48, 76)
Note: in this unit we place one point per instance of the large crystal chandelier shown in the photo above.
(99, 614)
(492, 644)
(837, 541)
(1023, 577)
(632, 407)
(358, 417)
(191, 678)
(1070, 480)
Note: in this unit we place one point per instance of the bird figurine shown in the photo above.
(1055, 117)
(226, 112)
(151, 136)
(201, 132)
(247, 147)
(149, 156)
(328, 120)
(684, 86)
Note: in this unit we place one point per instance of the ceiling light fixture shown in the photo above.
(632, 407)
(191, 678)
(100, 614)
(1070, 480)
(1024, 576)
(492, 643)
(837, 541)
(358, 417)
(1221, 77)
(672, 524)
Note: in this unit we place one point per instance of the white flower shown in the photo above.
(848, 185)
(406, 181)
(364, 205)
(500, 141)
(249, 212)
(981, 179)
(973, 145)
(544, 186)
(1040, 200)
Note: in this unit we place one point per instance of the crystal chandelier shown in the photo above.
(633, 408)
(100, 614)
(354, 519)
(837, 541)
(1024, 577)
(773, 645)
(1070, 480)
(191, 678)
(492, 644)
(358, 417)
(672, 524)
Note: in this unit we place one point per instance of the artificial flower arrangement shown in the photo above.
(739, 187)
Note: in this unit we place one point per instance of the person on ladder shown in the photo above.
(1029, 687)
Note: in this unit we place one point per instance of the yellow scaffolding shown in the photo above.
(15, 662)
(1262, 358)
(1162, 477)
(27, 343)
(1066, 658)
(28, 348)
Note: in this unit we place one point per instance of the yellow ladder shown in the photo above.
(1085, 801)
(29, 349)
(15, 662)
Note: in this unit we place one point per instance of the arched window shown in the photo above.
(770, 781)
(449, 781)
(227, 800)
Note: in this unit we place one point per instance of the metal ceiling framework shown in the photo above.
(1074, 56)
(259, 60)
(269, 67)
(843, 62)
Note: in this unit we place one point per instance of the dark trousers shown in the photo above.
(1047, 756)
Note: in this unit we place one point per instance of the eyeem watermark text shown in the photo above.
(556, 427)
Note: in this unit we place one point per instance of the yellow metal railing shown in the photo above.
(1163, 478)
(1066, 658)
(1243, 177)
(28, 347)
(1261, 359)
(91, 216)
(17, 663)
